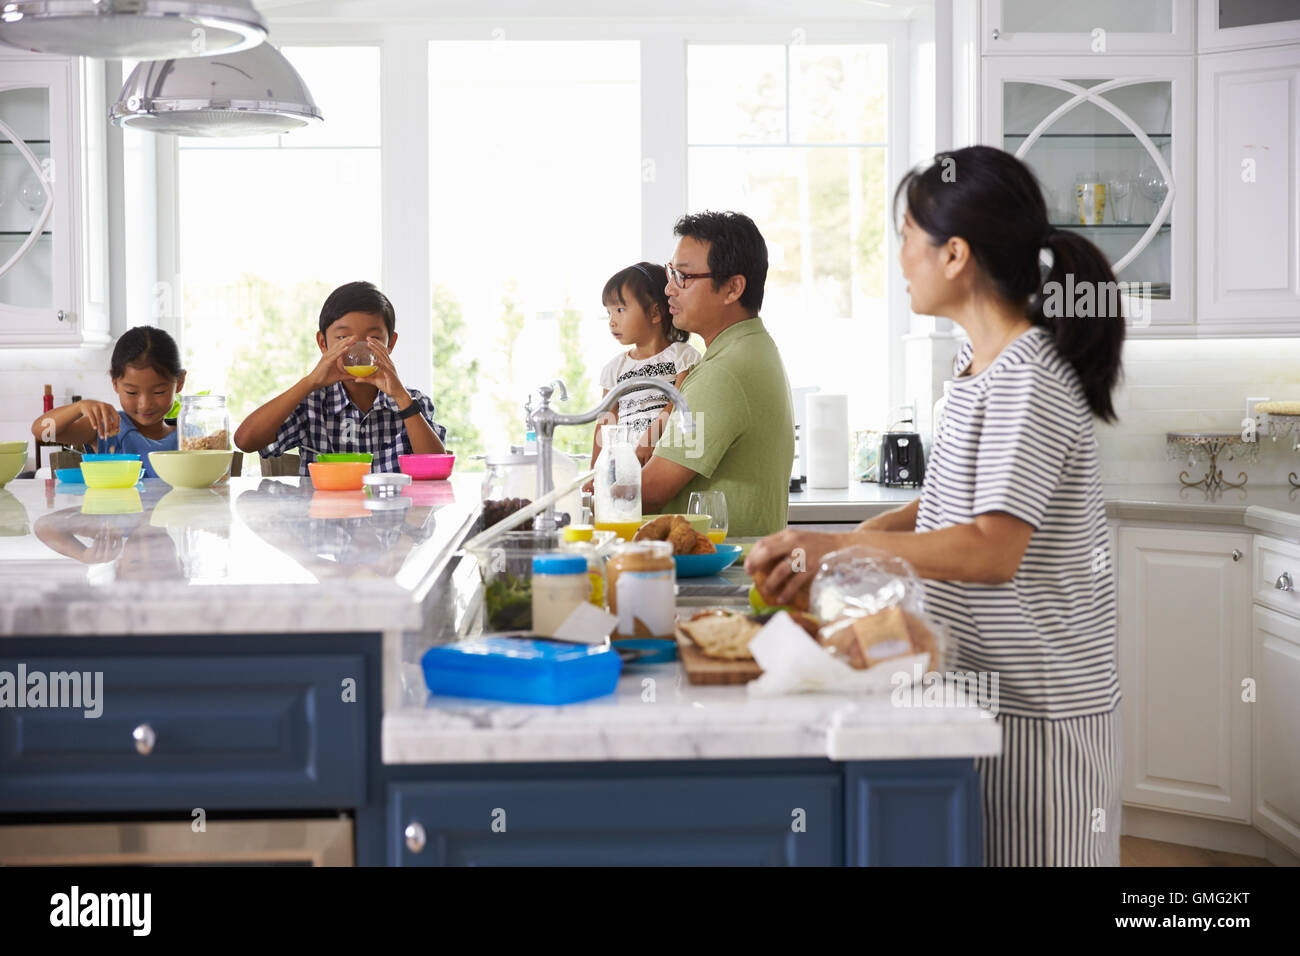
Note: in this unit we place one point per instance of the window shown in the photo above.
(795, 137)
(535, 201)
(269, 225)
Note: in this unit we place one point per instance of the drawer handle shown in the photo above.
(144, 738)
(1236, 554)
(1283, 582)
(415, 838)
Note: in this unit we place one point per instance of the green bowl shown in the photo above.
(699, 522)
(110, 474)
(13, 447)
(360, 457)
(190, 469)
(10, 465)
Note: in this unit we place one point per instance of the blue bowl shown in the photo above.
(118, 457)
(702, 565)
(71, 476)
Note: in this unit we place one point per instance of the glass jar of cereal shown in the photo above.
(203, 423)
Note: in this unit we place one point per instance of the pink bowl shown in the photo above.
(426, 467)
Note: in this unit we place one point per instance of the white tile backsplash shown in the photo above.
(24, 373)
(1197, 385)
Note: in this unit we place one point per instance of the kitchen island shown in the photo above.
(259, 645)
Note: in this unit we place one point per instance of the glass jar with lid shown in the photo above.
(203, 423)
(514, 475)
(640, 585)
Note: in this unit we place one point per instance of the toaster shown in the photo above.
(902, 461)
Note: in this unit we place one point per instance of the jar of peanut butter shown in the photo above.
(641, 584)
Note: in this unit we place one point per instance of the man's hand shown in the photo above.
(330, 367)
(385, 378)
(106, 546)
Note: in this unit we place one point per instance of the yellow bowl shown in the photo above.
(10, 464)
(13, 447)
(191, 469)
(110, 474)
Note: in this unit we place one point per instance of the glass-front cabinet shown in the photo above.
(1110, 141)
(1239, 24)
(52, 211)
(1092, 27)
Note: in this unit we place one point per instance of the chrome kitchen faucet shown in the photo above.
(544, 419)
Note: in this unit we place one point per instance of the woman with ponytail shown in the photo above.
(1009, 532)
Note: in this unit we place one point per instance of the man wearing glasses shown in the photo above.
(739, 394)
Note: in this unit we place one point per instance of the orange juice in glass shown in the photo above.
(713, 504)
(358, 360)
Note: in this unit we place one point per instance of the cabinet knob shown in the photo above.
(61, 315)
(415, 838)
(1236, 554)
(996, 33)
(1283, 582)
(144, 738)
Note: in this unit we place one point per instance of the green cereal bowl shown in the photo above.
(190, 469)
(10, 465)
(13, 447)
(699, 522)
(359, 457)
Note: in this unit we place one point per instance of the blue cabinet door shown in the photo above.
(179, 732)
(752, 820)
(913, 813)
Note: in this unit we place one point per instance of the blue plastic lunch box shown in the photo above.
(522, 670)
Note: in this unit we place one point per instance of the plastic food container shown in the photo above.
(506, 567)
(522, 670)
(426, 467)
(560, 584)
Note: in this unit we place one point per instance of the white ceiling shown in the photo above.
(785, 10)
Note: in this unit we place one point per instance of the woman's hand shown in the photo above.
(102, 416)
(330, 367)
(790, 559)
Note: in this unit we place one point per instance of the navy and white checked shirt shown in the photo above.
(326, 419)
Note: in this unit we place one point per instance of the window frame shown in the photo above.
(404, 145)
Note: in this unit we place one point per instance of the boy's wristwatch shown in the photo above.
(409, 411)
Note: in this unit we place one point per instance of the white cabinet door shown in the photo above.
(1238, 24)
(1098, 26)
(1130, 121)
(1184, 642)
(1277, 726)
(1248, 216)
(53, 229)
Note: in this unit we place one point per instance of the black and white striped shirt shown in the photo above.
(1018, 438)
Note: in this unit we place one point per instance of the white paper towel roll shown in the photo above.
(826, 418)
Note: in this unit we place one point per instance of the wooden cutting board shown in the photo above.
(701, 669)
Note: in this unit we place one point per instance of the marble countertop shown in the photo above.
(656, 715)
(251, 555)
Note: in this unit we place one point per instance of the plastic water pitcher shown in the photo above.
(618, 477)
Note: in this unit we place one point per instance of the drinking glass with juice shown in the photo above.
(713, 504)
(358, 360)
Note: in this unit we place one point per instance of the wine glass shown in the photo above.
(358, 360)
(713, 504)
(1151, 184)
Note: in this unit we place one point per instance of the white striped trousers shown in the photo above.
(1053, 796)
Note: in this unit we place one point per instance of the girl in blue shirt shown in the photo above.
(147, 375)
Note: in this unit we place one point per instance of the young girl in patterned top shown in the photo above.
(637, 303)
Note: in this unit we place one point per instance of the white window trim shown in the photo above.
(405, 243)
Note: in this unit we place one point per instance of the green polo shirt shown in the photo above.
(743, 444)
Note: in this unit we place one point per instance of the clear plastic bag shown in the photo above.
(872, 606)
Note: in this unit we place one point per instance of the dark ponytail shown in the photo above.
(992, 200)
(146, 347)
